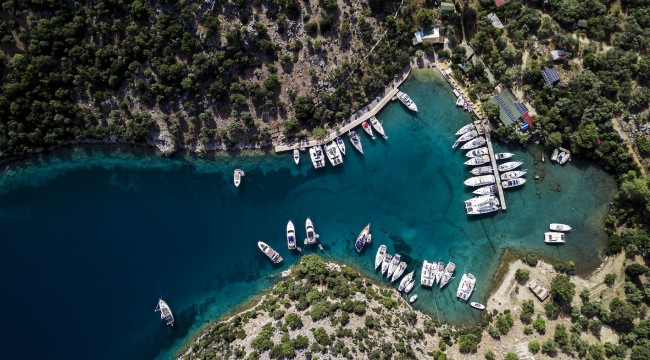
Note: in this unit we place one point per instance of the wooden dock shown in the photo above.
(495, 166)
(349, 126)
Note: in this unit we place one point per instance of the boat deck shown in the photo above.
(495, 166)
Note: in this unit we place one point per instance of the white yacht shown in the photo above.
(399, 271)
(409, 286)
(333, 153)
(291, 236)
(366, 127)
(466, 286)
(406, 100)
(405, 281)
(237, 177)
(477, 160)
(509, 166)
(340, 144)
(513, 183)
(427, 277)
(477, 152)
(554, 154)
(465, 129)
(480, 180)
(474, 143)
(552, 237)
(484, 207)
(269, 252)
(379, 258)
(296, 156)
(468, 136)
(317, 157)
(393, 265)
(513, 174)
(486, 190)
(502, 156)
(482, 170)
(385, 264)
(355, 140)
(378, 127)
(440, 272)
(165, 312)
(311, 234)
(564, 159)
(460, 102)
(559, 227)
(448, 275)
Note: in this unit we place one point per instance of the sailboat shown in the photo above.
(291, 236)
(379, 258)
(355, 140)
(340, 144)
(165, 312)
(377, 125)
(363, 239)
(368, 129)
(393, 265)
(385, 264)
(448, 275)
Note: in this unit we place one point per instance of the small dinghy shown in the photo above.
(559, 227)
(413, 298)
(476, 305)
(237, 177)
(296, 156)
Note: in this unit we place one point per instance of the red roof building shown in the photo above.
(528, 119)
(499, 2)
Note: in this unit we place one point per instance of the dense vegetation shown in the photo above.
(197, 74)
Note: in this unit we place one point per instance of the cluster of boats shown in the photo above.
(560, 156)
(292, 242)
(468, 134)
(557, 233)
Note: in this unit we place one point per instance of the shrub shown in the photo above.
(549, 347)
(511, 356)
(528, 329)
(468, 343)
(531, 260)
(540, 325)
(489, 355)
(561, 336)
(494, 332)
(522, 275)
(610, 279)
(293, 321)
(552, 310)
(321, 337)
(534, 346)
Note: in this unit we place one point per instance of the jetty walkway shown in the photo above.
(495, 167)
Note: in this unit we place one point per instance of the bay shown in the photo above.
(91, 237)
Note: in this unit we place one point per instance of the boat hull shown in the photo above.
(362, 239)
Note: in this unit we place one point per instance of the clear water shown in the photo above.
(92, 237)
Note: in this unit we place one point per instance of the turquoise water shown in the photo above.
(92, 237)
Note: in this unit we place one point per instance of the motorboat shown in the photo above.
(165, 312)
(511, 165)
(393, 265)
(399, 271)
(503, 156)
(466, 286)
(559, 227)
(385, 264)
(317, 157)
(480, 180)
(552, 237)
(406, 100)
(237, 177)
(560, 156)
(405, 281)
(513, 174)
(340, 144)
(413, 298)
(484, 208)
(440, 272)
(468, 136)
(479, 200)
(379, 258)
(427, 278)
(476, 305)
(465, 129)
(311, 234)
(482, 170)
(474, 143)
(448, 275)
(477, 160)
(409, 286)
(368, 129)
(477, 152)
(269, 252)
(564, 159)
(378, 127)
(296, 156)
(333, 153)
(291, 236)
(363, 239)
(486, 190)
(355, 140)
(554, 154)
(460, 102)
(513, 183)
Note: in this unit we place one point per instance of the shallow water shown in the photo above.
(92, 237)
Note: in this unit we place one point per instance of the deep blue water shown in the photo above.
(92, 237)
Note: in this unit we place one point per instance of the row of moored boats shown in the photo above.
(557, 234)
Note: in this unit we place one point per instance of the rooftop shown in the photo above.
(550, 75)
(447, 6)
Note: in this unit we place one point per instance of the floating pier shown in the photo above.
(495, 167)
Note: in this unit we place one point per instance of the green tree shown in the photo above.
(563, 290)
(319, 133)
(522, 275)
(609, 279)
(491, 110)
(468, 343)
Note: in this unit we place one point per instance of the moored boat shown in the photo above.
(269, 252)
(379, 258)
(362, 239)
(477, 160)
(502, 156)
(385, 264)
(560, 157)
(511, 165)
(427, 278)
(486, 190)
(468, 136)
(393, 265)
(465, 129)
(368, 129)
(413, 298)
(480, 180)
(291, 236)
(440, 271)
(477, 152)
(165, 312)
(340, 144)
(564, 159)
(401, 267)
(355, 140)
(554, 154)
(448, 275)
(466, 287)
(474, 143)
(552, 237)
(513, 174)
(482, 205)
(476, 305)
(406, 100)
(460, 102)
(296, 156)
(311, 234)
(378, 127)
(333, 153)
(513, 183)
(317, 156)
(559, 227)
(409, 286)
(237, 177)
(405, 281)
(482, 170)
